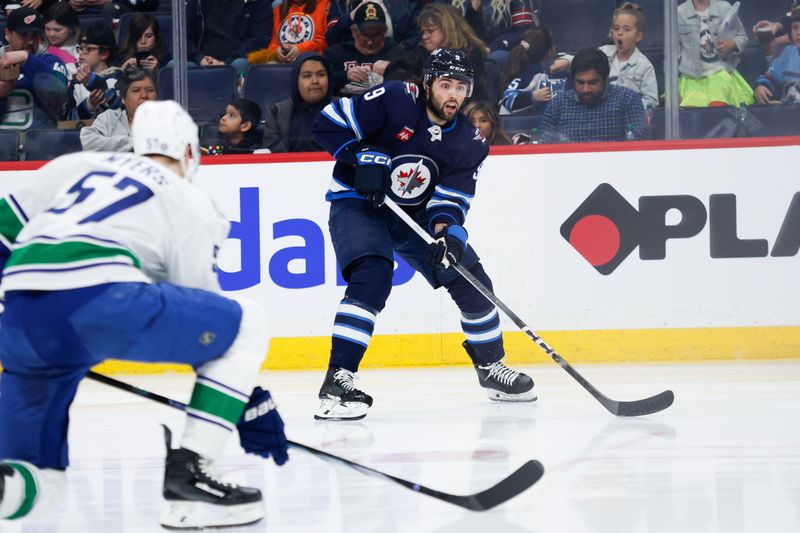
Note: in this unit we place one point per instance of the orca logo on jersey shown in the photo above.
(411, 177)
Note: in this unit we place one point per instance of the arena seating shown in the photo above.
(267, 85)
(211, 89)
(164, 24)
(89, 20)
(9, 145)
(43, 145)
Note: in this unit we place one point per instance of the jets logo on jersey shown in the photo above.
(405, 134)
(413, 90)
(297, 28)
(411, 178)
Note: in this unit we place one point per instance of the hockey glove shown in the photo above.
(261, 428)
(372, 174)
(450, 244)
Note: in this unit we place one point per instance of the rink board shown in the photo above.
(694, 247)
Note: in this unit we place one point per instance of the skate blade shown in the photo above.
(201, 515)
(497, 396)
(333, 410)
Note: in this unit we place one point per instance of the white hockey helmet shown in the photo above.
(163, 127)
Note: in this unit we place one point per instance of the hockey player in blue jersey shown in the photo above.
(413, 144)
(112, 255)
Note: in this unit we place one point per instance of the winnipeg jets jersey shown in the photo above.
(434, 168)
(91, 218)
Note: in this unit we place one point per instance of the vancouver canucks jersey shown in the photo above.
(91, 218)
(434, 169)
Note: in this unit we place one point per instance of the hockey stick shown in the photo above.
(519, 481)
(646, 406)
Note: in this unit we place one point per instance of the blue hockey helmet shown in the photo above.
(449, 63)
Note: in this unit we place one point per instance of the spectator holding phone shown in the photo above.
(781, 83)
(144, 46)
(91, 91)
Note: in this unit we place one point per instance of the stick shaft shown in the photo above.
(646, 406)
(520, 480)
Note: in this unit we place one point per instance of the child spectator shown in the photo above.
(92, 89)
(62, 29)
(442, 26)
(144, 46)
(707, 60)
(298, 26)
(484, 117)
(528, 86)
(289, 122)
(774, 36)
(238, 128)
(629, 66)
(781, 83)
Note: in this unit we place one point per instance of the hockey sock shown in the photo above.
(352, 332)
(29, 490)
(224, 385)
(484, 336)
(480, 321)
(369, 282)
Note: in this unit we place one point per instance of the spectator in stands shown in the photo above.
(62, 29)
(91, 91)
(402, 70)
(289, 122)
(500, 23)
(401, 16)
(28, 73)
(629, 66)
(595, 111)
(297, 28)
(359, 64)
(442, 26)
(781, 83)
(111, 130)
(526, 79)
(484, 117)
(223, 32)
(706, 63)
(774, 36)
(238, 129)
(144, 46)
(114, 8)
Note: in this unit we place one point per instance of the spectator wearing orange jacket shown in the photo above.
(298, 26)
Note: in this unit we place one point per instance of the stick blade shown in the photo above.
(647, 406)
(518, 482)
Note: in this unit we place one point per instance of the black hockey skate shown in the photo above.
(197, 498)
(503, 384)
(339, 397)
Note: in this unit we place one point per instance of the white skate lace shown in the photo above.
(502, 373)
(344, 378)
(208, 470)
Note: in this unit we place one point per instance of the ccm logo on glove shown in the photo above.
(374, 158)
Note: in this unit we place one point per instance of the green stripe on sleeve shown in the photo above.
(65, 252)
(214, 402)
(10, 224)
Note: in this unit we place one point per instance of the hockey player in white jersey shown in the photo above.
(113, 255)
